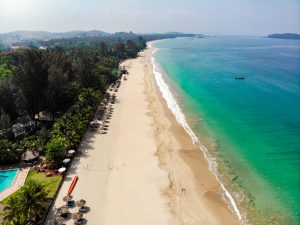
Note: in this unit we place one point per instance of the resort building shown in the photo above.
(20, 129)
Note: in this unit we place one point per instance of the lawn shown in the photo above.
(51, 183)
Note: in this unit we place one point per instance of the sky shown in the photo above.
(219, 17)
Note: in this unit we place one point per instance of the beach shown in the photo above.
(146, 169)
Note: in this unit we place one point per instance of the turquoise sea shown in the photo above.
(251, 126)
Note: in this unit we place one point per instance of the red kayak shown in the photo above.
(72, 185)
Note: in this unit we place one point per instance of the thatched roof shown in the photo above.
(30, 155)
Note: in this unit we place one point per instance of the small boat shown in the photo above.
(239, 78)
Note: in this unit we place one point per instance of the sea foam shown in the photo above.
(177, 112)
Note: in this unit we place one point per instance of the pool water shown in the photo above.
(7, 178)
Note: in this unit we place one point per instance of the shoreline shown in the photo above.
(172, 105)
(182, 133)
(145, 170)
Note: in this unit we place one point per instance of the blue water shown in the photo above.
(252, 126)
(6, 178)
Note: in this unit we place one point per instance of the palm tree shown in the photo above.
(12, 209)
(27, 206)
(34, 196)
(21, 220)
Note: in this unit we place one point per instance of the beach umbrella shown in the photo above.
(58, 221)
(66, 160)
(30, 156)
(62, 210)
(71, 151)
(62, 169)
(80, 203)
(67, 198)
(77, 216)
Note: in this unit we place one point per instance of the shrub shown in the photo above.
(55, 151)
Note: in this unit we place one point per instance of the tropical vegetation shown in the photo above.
(28, 205)
(60, 87)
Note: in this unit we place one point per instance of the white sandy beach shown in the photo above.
(146, 170)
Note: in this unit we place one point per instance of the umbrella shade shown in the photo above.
(71, 151)
(77, 215)
(66, 160)
(62, 169)
(80, 203)
(67, 198)
(62, 210)
(58, 221)
(29, 156)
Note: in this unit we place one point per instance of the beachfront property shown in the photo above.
(41, 149)
(83, 160)
(21, 129)
(101, 127)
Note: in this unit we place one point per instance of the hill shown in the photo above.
(22, 35)
(285, 36)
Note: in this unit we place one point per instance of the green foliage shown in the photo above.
(4, 120)
(21, 220)
(89, 97)
(7, 154)
(8, 100)
(66, 80)
(72, 125)
(4, 71)
(102, 70)
(36, 80)
(29, 204)
(6, 66)
(4, 144)
(51, 184)
(114, 72)
(35, 142)
(56, 148)
(31, 80)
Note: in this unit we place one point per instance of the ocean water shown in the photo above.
(250, 127)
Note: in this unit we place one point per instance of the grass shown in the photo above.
(51, 183)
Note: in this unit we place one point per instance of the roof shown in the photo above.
(30, 155)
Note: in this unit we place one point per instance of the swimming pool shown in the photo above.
(7, 178)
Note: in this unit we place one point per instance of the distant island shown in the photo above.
(285, 36)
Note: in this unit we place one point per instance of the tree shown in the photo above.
(21, 220)
(12, 209)
(31, 80)
(88, 97)
(55, 149)
(28, 205)
(8, 100)
(103, 48)
(4, 120)
(35, 142)
(131, 48)
(34, 196)
(7, 155)
(120, 50)
(84, 69)
(57, 83)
